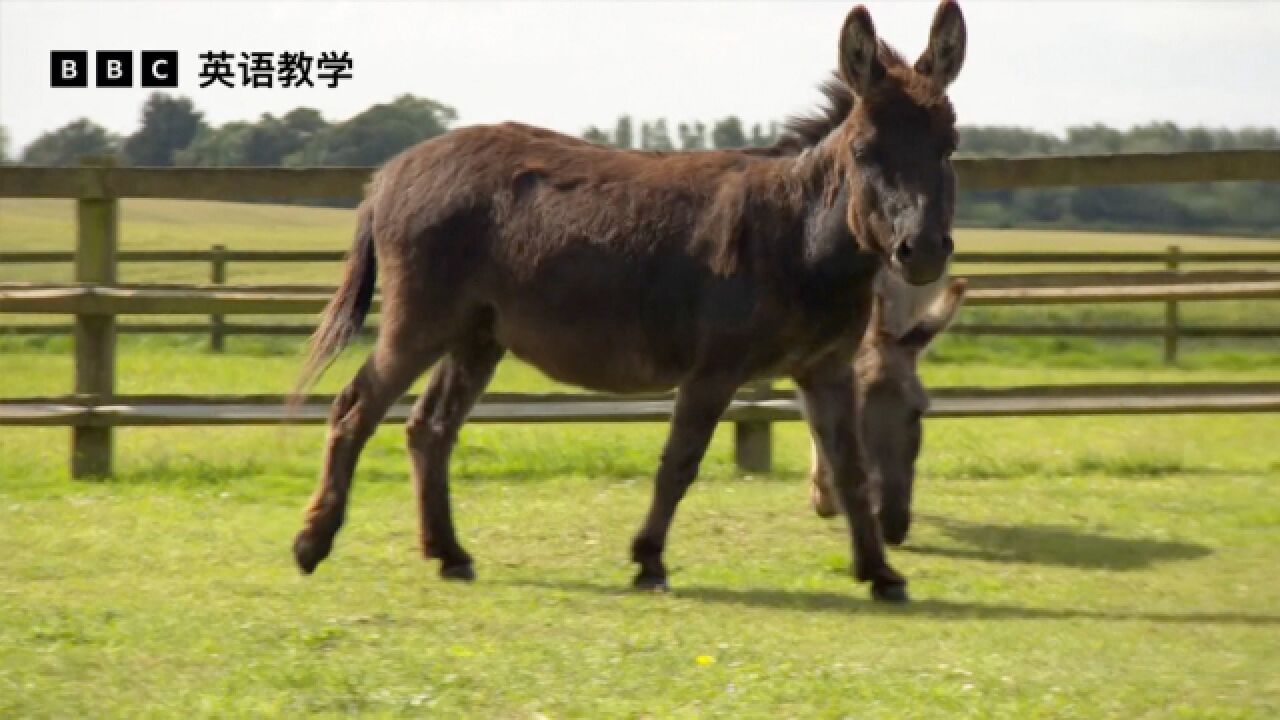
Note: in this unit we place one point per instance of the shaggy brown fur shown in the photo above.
(629, 271)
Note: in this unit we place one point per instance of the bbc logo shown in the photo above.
(113, 68)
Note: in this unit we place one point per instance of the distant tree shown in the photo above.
(693, 136)
(622, 136)
(1041, 206)
(654, 136)
(596, 135)
(271, 140)
(4, 145)
(264, 143)
(376, 134)
(268, 142)
(169, 124)
(1199, 138)
(1155, 137)
(1094, 139)
(65, 145)
(1252, 137)
(759, 138)
(1001, 141)
(219, 146)
(304, 122)
(727, 133)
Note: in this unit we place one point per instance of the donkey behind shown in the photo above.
(890, 397)
(625, 271)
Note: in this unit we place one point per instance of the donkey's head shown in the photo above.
(891, 399)
(896, 144)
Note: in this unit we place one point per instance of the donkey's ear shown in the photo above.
(858, 51)
(937, 318)
(941, 61)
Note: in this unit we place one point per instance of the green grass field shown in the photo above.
(1069, 567)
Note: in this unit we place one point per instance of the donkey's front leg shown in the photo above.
(829, 404)
(699, 405)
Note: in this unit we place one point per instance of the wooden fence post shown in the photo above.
(1171, 313)
(218, 276)
(95, 335)
(753, 439)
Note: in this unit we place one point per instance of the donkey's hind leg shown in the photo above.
(432, 430)
(353, 418)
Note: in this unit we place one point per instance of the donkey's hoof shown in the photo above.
(463, 572)
(650, 583)
(894, 594)
(825, 510)
(308, 551)
(822, 503)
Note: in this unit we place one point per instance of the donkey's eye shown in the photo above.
(862, 152)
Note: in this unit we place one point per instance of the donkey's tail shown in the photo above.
(346, 311)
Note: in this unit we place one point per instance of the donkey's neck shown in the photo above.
(823, 171)
(795, 186)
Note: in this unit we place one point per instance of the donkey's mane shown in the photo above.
(805, 131)
(800, 132)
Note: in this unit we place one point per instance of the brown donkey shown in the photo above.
(890, 398)
(628, 271)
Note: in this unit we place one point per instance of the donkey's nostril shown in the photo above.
(948, 245)
(903, 252)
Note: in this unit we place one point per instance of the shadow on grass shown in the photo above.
(1052, 545)
(856, 602)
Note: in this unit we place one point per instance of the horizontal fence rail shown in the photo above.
(318, 256)
(218, 328)
(773, 406)
(118, 300)
(960, 328)
(233, 183)
(177, 256)
(1127, 331)
(997, 281)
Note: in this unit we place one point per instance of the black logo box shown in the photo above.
(69, 68)
(113, 68)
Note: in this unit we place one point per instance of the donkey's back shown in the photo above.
(532, 192)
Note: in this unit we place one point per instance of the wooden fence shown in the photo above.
(96, 298)
(1174, 262)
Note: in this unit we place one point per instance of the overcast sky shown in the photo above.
(1045, 65)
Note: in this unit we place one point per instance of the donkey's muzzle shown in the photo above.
(920, 261)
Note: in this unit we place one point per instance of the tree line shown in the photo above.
(1240, 208)
(173, 132)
